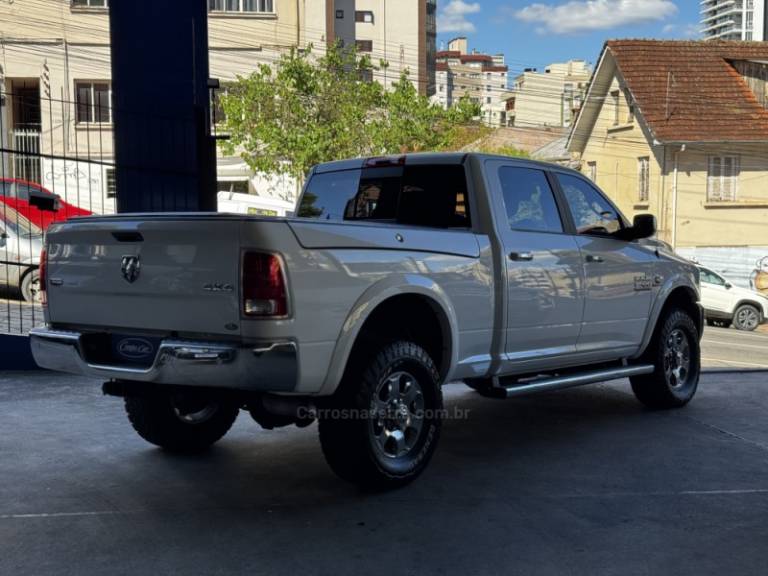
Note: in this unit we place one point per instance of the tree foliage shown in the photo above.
(308, 109)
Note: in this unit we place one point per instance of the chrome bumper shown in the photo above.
(269, 367)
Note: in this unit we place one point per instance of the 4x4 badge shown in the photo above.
(131, 267)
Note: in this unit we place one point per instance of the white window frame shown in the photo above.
(643, 179)
(616, 99)
(592, 171)
(88, 5)
(261, 7)
(93, 106)
(723, 178)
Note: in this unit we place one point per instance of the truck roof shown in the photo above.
(417, 158)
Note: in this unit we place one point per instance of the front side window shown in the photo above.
(591, 211)
(529, 200)
(422, 195)
(709, 277)
(93, 102)
(723, 178)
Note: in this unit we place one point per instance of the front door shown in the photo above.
(544, 275)
(619, 275)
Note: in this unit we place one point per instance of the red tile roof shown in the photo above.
(707, 99)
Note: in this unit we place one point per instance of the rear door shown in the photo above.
(619, 275)
(544, 274)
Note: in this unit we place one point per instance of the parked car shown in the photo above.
(25, 197)
(726, 304)
(237, 203)
(20, 245)
(397, 275)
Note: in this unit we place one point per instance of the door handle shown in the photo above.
(594, 259)
(521, 256)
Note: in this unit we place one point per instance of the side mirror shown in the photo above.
(44, 202)
(643, 226)
(728, 285)
(3, 237)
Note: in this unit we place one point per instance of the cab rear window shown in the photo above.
(424, 195)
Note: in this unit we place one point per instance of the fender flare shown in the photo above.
(673, 283)
(375, 295)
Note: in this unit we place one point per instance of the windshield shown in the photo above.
(14, 222)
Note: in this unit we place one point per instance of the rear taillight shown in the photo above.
(42, 275)
(264, 291)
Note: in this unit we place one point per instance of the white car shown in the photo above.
(235, 203)
(728, 304)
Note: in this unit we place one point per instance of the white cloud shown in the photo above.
(453, 18)
(682, 31)
(589, 15)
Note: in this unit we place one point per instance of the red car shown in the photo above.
(25, 197)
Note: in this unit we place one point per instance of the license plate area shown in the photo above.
(120, 349)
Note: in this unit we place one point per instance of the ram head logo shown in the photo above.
(131, 267)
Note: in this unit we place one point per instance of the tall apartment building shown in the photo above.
(551, 98)
(55, 80)
(734, 19)
(480, 77)
(402, 33)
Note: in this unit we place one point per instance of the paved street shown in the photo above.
(731, 348)
(580, 482)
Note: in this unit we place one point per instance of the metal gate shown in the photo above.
(60, 168)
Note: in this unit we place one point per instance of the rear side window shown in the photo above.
(430, 195)
(529, 200)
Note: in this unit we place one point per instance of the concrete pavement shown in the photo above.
(583, 481)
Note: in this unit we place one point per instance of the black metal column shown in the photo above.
(164, 154)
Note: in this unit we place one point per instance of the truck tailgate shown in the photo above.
(166, 274)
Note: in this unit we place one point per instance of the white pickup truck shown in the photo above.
(398, 274)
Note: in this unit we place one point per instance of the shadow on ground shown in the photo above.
(581, 481)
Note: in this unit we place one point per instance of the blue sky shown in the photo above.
(534, 33)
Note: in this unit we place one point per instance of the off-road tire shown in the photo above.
(659, 390)
(154, 416)
(348, 429)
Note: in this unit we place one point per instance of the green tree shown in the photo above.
(308, 109)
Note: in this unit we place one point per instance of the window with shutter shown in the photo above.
(723, 178)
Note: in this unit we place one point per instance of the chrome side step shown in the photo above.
(547, 384)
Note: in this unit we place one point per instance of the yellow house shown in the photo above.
(680, 129)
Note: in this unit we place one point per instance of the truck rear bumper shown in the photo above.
(264, 367)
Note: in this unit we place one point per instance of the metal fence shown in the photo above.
(56, 162)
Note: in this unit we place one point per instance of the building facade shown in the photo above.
(480, 77)
(680, 130)
(402, 34)
(551, 98)
(55, 79)
(734, 19)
